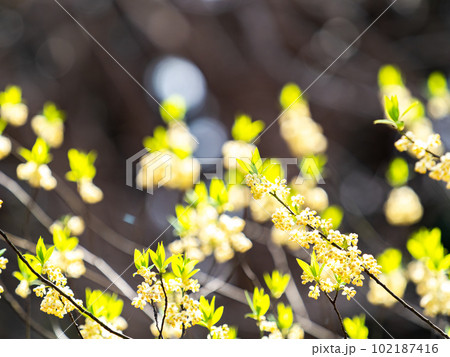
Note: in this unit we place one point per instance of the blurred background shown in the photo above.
(225, 57)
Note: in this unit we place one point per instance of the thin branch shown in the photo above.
(23, 315)
(74, 322)
(53, 286)
(165, 305)
(333, 302)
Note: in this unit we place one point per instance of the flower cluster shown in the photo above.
(67, 256)
(53, 302)
(429, 271)
(12, 109)
(302, 134)
(403, 207)
(169, 161)
(3, 262)
(107, 308)
(49, 125)
(35, 170)
(82, 171)
(437, 167)
(205, 229)
(336, 255)
(432, 286)
(167, 291)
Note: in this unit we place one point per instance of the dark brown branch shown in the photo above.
(333, 302)
(53, 286)
(165, 305)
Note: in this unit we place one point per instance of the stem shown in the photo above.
(402, 132)
(399, 299)
(333, 302)
(407, 306)
(165, 305)
(155, 313)
(74, 322)
(53, 286)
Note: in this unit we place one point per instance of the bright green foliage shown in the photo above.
(389, 75)
(271, 168)
(81, 165)
(393, 112)
(320, 160)
(11, 95)
(285, 316)
(3, 125)
(255, 165)
(390, 260)
(141, 259)
(63, 241)
(398, 172)
(42, 253)
(259, 304)
(290, 94)
(24, 272)
(314, 269)
(210, 315)
(158, 141)
(159, 258)
(276, 283)
(102, 304)
(39, 153)
(198, 195)
(246, 130)
(183, 267)
(356, 327)
(234, 177)
(173, 108)
(184, 219)
(437, 84)
(335, 213)
(218, 192)
(2, 251)
(426, 245)
(52, 113)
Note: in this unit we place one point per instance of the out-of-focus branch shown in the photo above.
(35, 326)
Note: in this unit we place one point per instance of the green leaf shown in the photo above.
(389, 75)
(305, 266)
(217, 315)
(356, 328)
(398, 172)
(173, 108)
(41, 250)
(290, 94)
(390, 260)
(386, 121)
(2, 251)
(391, 106)
(437, 84)
(246, 130)
(285, 316)
(335, 213)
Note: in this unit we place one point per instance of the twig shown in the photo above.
(333, 302)
(74, 322)
(52, 285)
(165, 305)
